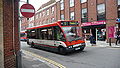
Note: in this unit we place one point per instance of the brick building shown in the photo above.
(9, 36)
(95, 16)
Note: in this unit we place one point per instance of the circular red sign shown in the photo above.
(27, 10)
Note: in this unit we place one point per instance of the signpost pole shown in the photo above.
(27, 3)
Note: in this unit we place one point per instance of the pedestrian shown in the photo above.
(92, 40)
(117, 38)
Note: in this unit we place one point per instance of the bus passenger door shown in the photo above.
(58, 36)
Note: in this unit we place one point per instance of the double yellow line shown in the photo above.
(45, 59)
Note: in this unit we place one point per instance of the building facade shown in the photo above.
(96, 17)
(9, 34)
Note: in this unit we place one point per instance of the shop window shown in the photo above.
(84, 15)
(101, 12)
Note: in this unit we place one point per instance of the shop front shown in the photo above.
(97, 29)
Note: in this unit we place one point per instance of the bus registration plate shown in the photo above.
(77, 48)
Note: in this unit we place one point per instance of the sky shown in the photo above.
(35, 3)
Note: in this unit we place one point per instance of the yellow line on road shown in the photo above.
(45, 59)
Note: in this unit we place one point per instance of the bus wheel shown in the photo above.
(62, 50)
(81, 49)
(32, 44)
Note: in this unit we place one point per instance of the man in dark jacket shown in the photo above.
(118, 37)
(92, 40)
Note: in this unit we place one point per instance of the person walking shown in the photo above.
(92, 40)
(118, 39)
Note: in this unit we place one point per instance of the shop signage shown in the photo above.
(93, 23)
(111, 31)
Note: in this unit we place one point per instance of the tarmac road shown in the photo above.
(91, 57)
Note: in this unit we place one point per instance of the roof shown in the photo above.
(46, 4)
(48, 25)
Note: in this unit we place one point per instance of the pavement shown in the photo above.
(102, 44)
(30, 61)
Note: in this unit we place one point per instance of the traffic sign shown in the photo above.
(27, 10)
(118, 20)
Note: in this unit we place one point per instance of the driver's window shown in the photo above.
(58, 34)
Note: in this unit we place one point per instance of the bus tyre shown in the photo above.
(81, 49)
(28, 43)
(62, 50)
(32, 44)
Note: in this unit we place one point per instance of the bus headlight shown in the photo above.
(70, 47)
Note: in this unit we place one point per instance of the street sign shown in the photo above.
(27, 10)
(118, 20)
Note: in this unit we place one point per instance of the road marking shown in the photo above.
(45, 59)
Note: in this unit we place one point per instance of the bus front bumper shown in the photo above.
(75, 47)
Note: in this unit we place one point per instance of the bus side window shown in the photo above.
(40, 37)
(44, 34)
(37, 33)
(50, 33)
(28, 34)
(33, 33)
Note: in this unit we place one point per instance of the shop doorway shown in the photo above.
(99, 33)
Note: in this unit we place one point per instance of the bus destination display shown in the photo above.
(69, 23)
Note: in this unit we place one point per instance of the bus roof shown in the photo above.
(50, 24)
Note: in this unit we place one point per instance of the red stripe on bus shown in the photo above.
(46, 45)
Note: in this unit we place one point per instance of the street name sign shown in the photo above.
(27, 10)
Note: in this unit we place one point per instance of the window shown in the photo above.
(62, 17)
(36, 16)
(43, 13)
(118, 2)
(72, 14)
(44, 34)
(32, 33)
(84, 15)
(40, 15)
(58, 34)
(61, 5)
(52, 10)
(53, 19)
(101, 12)
(48, 12)
(83, 1)
(71, 3)
(50, 33)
